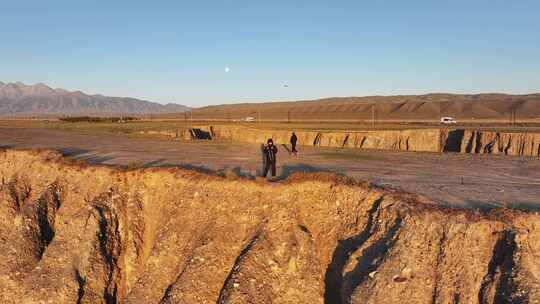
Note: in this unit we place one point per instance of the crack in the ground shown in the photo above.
(224, 292)
(440, 257)
(372, 257)
(498, 285)
(189, 253)
(334, 272)
(81, 282)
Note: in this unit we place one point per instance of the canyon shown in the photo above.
(75, 233)
(417, 140)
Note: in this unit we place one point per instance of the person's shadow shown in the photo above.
(6, 147)
(287, 148)
(263, 161)
(288, 170)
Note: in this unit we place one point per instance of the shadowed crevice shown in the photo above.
(333, 276)
(440, 257)
(82, 283)
(454, 141)
(498, 285)
(227, 285)
(370, 260)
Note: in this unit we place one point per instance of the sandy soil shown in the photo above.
(473, 181)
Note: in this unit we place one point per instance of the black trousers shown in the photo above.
(269, 165)
(293, 150)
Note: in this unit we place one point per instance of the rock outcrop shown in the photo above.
(71, 233)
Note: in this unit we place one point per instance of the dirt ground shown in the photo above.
(472, 181)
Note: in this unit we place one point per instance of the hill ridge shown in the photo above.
(496, 106)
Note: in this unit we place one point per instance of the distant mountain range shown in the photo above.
(18, 99)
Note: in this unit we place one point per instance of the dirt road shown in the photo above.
(473, 181)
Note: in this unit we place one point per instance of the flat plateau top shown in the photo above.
(474, 181)
(532, 126)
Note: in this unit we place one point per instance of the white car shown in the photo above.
(249, 119)
(448, 120)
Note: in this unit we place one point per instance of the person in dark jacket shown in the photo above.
(270, 151)
(293, 141)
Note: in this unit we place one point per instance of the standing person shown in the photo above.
(293, 141)
(270, 151)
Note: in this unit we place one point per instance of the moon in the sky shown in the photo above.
(227, 69)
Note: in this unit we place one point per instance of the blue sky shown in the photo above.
(177, 51)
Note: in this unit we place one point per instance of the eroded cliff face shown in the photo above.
(76, 234)
(400, 140)
(486, 142)
(419, 140)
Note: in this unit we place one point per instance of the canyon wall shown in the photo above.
(419, 140)
(489, 142)
(402, 140)
(398, 140)
(72, 233)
